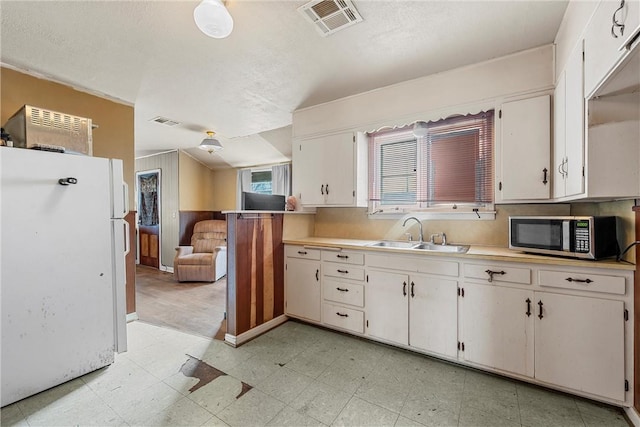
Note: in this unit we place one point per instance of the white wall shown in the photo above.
(432, 97)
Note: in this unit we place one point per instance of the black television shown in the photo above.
(262, 202)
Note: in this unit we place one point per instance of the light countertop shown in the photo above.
(475, 252)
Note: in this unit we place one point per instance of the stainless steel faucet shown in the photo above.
(442, 235)
(419, 224)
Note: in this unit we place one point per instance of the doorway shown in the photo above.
(149, 211)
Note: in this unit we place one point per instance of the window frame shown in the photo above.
(430, 207)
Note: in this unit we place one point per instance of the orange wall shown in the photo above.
(113, 139)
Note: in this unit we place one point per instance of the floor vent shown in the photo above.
(329, 16)
(164, 121)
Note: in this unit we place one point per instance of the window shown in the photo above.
(261, 182)
(452, 166)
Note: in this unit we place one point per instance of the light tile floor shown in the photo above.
(300, 376)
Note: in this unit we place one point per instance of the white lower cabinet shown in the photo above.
(564, 340)
(560, 326)
(415, 310)
(579, 343)
(303, 289)
(497, 327)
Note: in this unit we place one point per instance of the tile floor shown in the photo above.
(299, 376)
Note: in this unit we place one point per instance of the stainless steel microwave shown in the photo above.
(589, 237)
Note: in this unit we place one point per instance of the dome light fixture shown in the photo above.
(210, 144)
(213, 19)
(420, 129)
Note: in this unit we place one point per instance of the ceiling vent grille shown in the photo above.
(164, 121)
(329, 16)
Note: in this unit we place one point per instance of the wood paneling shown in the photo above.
(189, 218)
(130, 262)
(167, 163)
(255, 280)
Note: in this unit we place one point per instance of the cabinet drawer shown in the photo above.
(582, 281)
(344, 271)
(343, 257)
(302, 252)
(343, 292)
(501, 273)
(344, 318)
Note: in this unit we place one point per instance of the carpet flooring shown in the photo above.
(193, 307)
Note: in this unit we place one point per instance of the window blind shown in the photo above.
(452, 164)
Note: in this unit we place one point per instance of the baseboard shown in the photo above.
(236, 340)
(633, 415)
(132, 317)
(166, 268)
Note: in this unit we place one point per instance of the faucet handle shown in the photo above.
(444, 239)
(409, 237)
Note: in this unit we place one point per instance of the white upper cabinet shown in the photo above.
(525, 153)
(568, 159)
(331, 170)
(613, 26)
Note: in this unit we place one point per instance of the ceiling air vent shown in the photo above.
(164, 121)
(330, 16)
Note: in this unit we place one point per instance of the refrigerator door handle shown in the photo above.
(125, 201)
(127, 243)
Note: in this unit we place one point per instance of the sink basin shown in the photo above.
(457, 249)
(393, 244)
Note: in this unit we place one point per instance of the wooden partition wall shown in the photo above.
(255, 273)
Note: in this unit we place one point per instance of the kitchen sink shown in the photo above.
(426, 246)
(457, 249)
(393, 244)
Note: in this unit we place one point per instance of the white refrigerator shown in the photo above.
(62, 268)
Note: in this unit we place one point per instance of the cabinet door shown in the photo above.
(559, 136)
(498, 327)
(574, 123)
(339, 169)
(602, 49)
(580, 343)
(307, 172)
(526, 145)
(303, 288)
(387, 307)
(433, 314)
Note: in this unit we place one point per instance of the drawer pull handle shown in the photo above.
(341, 315)
(412, 293)
(491, 273)
(404, 288)
(343, 271)
(571, 279)
(528, 313)
(302, 252)
(342, 290)
(322, 189)
(317, 275)
(343, 256)
(540, 316)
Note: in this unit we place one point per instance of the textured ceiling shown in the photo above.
(245, 87)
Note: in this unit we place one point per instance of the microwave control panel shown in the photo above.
(582, 236)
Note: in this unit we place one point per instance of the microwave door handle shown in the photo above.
(566, 236)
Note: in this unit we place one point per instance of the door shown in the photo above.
(57, 280)
(387, 307)
(433, 301)
(498, 327)
(148, 187)
(574, 123)
(580, 343)
(339, 169)
(308, 173)
(303, 288)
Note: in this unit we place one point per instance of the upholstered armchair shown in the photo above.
(206, 259)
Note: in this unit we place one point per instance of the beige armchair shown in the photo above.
(206, 259)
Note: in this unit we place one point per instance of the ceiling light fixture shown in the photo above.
(213, 18)
(420, 129)
(210, 144)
